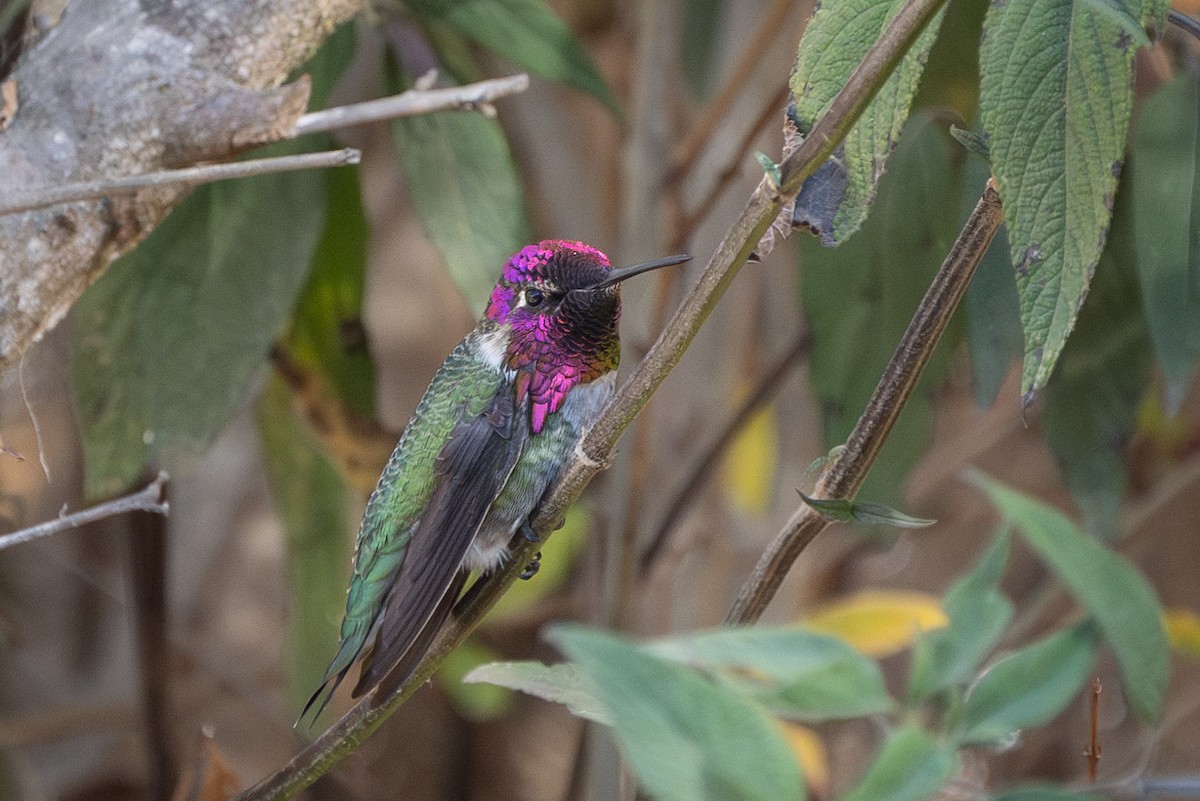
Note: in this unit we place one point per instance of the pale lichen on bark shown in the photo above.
(122, 87)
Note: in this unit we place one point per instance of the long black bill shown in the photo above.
(621, 273)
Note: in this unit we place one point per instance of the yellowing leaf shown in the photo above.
(810, 753)
(879, 622)
(1183, 630)
(751, 462)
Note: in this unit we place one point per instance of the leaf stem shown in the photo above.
(148, 499)
(597, 447)
(844, 476)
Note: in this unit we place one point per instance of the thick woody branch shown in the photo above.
(598, 446)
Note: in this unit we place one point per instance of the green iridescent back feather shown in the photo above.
(461, 389)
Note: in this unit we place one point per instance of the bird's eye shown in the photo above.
(534, 297)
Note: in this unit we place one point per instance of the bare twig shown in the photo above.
(148, 499)
(1093, 751)
(595, 451)
(768, 28)
(189, 176)
(846, 473)
(473, 96)
(710, 455)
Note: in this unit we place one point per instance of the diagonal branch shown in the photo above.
(845, 475)
(599, 444)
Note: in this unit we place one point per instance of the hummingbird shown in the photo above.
(497, 424)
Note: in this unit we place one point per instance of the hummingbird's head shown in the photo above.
(559, 303)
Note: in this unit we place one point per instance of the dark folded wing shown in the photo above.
(470, 472)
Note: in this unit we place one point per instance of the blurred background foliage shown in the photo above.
(267, 343)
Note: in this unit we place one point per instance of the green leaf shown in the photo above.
(465, 187)
(476, 701)
(835, 41)
(978, 614)
(686, 739)
(1118, 12)
(1029, 687)
(1055, 97)
(1037, 792)
(1115, 594)
(528, 33)
(797, 673)
(563, 684)
(911, 767)
(860, 296)
(1166, 220)
(327, 332)
(865, 512)
(1093, 397)
(314, 503)
(169, 341)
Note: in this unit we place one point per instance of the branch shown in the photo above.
(148, 499)
(845, 475)
(471, 97)
(598, 445)
(187, 177)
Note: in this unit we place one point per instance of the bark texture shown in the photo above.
(123, 87)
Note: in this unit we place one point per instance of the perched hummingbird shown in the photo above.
(498, 422)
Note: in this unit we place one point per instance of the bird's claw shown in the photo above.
(533, 567)
(528, 534)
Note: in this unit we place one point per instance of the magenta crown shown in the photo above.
(556, 261)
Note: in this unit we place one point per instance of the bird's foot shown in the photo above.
(528, 534)
(533, 567)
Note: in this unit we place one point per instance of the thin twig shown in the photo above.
(846, 473)
(472, 97)
(768, 28)
(188, 176)
(148, 499)
(595, 451)
(710, 455)
(692, 220)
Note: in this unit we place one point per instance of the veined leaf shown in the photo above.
(686, 739)
(1055, 97)
(528, 33)
(475, 700)
(563, 684)
(464, 185)
(1029, 687)
(796, 673)
(1165, 187)
(1112, 591)
(168, 341)
(835, 41)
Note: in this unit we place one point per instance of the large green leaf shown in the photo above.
(168, 342)
(563, 684)
(327, 333)
(685, 738)
(1055, 98)
(911, 767)
(860, 296)
(1114, 593)
(796, 673)
(977, 613)
(314, 503)
(1029, 687)
(528, 33)
(1165, 185)
(835, 41)
(465, 187)
(1093, 397)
